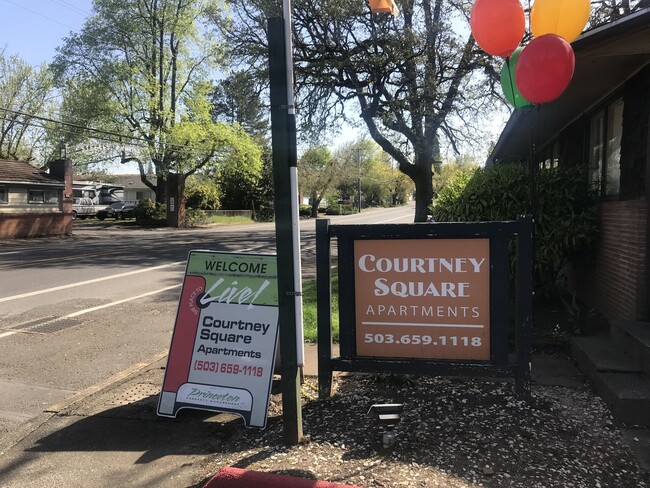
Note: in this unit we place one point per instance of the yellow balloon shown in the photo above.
(565, 18)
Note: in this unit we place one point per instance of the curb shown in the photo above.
(17, 436)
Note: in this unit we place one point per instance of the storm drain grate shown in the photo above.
(32, 323)
(137, 394)
(50, 326)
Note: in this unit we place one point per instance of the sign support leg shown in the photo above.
(324, 307)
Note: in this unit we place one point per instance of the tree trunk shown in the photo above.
(314, 208)
(423, 191)
(160, 191)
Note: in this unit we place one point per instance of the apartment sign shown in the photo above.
(423, 298)
(223, 347)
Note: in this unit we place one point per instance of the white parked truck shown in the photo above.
(82, 208)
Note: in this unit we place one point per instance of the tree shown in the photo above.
(415, 78)
(138, 68)
(365, 164)
(449, 169)
(239, 177)
(25, 91)
(604, 11)
(235, 100)
(318, 173)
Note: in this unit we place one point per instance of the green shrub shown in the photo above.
(195, 217)
(265, 213)
(150, 214)
(304, 210)
(204, 196)
(340, 210)
(566, 220)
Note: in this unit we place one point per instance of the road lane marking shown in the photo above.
(99, 307)
(66, 258)
(399, 218)
(124, 300)
(81, 283)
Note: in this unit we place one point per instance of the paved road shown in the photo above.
(74, 311)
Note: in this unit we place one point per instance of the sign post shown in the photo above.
(223, 347)
(287, 231)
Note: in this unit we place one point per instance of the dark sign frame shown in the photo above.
(499, 235)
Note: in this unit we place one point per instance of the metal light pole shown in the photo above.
(283, 140)
(358, 151)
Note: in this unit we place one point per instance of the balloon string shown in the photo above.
(512, 83)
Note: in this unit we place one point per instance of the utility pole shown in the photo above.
(358, 152)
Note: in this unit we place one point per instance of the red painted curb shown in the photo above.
(229, 477)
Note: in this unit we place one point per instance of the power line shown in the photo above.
(74, 126)
(136, 141)
(71, 7)
(39, 14)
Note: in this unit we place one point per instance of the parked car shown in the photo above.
(117, 210)
(82, 208)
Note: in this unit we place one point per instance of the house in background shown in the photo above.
(34, 203)
(134, 189)
(602, 123)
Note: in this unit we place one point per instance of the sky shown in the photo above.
(33, 29)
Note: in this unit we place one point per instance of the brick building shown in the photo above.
(33, 202)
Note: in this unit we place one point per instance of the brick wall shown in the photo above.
(615, 283)
(34, 225)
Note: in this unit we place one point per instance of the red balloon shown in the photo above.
(545, 68)
(498, 25)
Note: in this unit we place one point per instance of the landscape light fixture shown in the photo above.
(388, 415)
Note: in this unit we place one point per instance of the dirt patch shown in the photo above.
(453, 433)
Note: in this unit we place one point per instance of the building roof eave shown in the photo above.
(606, 57)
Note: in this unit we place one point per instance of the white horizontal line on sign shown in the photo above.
(418, 324)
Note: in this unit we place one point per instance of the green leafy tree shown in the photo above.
(25, 91)
(416, 78)
(449, 169)
(318, 172)
(367, 165)
(240, 174)
(138, 68)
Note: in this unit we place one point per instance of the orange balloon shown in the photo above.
(498, 25)
(564, 18)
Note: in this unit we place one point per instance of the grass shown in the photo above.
(309, 309)
(219, 219)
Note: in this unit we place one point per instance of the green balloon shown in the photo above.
(508, 84)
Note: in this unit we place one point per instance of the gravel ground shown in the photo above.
(453, 433)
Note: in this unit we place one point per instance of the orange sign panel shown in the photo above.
(423, 298)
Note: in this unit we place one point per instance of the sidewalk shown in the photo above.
(110, 435)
